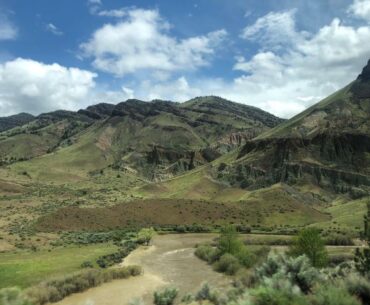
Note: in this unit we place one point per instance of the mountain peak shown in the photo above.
(365, 74)
(361, 87)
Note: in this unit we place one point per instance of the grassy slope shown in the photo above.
(283, 128)
(346, 216)
(26, 268)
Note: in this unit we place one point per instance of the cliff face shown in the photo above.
(338, 163)
(328, 145)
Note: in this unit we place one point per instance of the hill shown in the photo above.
(15, 120)
(326, 146)
(155, 140)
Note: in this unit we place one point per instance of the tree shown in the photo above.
(362, 257)
(309, 243)
(229, 242)
(145, 235)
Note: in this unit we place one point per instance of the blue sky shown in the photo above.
(281, 56)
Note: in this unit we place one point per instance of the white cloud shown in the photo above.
(31, 86)
(94, 6)
(307, 68)
(283, 81)
(53, 29)
(142, 42)
(117, 13)
(273, 30)
(360, 9)
(8, 31)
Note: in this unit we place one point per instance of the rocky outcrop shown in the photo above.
(337, 162)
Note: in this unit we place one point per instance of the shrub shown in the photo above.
(12, 296)
(228, 264)
(211, 295)
(358, 286)
(298, 271)
(245, 258)
(56, 289)
(165, 297)
(333, 296)
(87, 264)
(272, 296)
(207, 253)
(187, 298)
(339, 240)
(310, 243)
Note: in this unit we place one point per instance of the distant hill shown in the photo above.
(155, 140)
(15, 120)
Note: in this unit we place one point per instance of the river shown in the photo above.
(169, 261)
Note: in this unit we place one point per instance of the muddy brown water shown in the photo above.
(169, 261)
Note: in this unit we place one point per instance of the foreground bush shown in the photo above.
(333, 296)
(57, 289)
(12, 296)
(272, 296)
(228, 264)
(207, 253)
(165, 297)
(279, 268)
(359, 287)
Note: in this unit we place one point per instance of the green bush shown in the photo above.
(87, 264)
(211, 295)
(245, 258)
(297, 270)
(339, 240)
(333, 296)
(207, 253)
(165, 297)
(228, 264)
(358, 286)
(271, 296)
(12, 296)
(56, 289)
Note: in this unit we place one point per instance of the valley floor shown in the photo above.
(170, 261)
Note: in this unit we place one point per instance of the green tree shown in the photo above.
(362, 257)
(309, 243)
(145, 235)
(229, 241)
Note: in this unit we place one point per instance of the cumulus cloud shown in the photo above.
(283, 81)
(141, 41)
(8, 31)
(360, 9)
(53, 29)
(31, 86)
(309, 67)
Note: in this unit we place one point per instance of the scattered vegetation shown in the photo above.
(165, 297)
(230, 254)
(56, 289)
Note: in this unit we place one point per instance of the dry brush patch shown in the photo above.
(152, 212)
